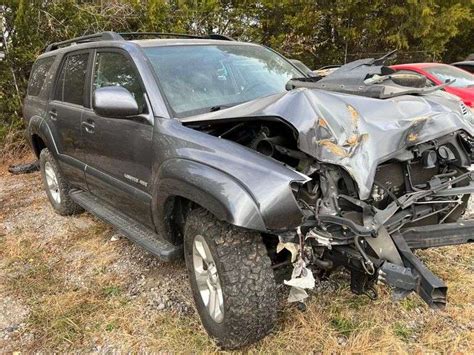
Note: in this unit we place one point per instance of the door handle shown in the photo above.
(53, 114)
(89, 126)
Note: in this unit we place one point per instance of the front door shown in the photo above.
(118, 152)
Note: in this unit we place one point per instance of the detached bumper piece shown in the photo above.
(414, 275)
(440, 235)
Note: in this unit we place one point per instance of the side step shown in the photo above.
(134, 231)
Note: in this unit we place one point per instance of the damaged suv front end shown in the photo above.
(225, 153)
(386, 163)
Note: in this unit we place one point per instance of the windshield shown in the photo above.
(445, 72)
(203, 78)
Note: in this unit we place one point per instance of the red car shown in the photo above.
(438, 73)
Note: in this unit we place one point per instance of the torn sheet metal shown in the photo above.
(301, 279)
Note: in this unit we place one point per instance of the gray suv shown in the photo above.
(228, 154)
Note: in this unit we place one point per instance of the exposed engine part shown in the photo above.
(321, 239)
(275, 146)
(430, 158)
(446, 154)
(378, 193)
(272, 138)
(424, 190)
(265, 143)
(323, 264)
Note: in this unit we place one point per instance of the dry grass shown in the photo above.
(77, 290)
(12, 145)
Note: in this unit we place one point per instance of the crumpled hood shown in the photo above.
(356, 132)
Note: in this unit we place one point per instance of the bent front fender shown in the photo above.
(225, 196)
(210, 188)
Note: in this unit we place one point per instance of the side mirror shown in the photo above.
(114, 101)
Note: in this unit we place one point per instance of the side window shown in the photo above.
(38, 75)
(70, 85)
(114, 69)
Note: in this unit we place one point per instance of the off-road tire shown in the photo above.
(66, 206)
(246, 277)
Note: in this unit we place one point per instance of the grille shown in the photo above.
(464, 109)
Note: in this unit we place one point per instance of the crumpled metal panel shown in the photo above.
(356, 132)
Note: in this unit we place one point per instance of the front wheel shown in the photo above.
(56, 186)
(231, 279)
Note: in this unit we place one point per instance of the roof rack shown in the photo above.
(102, 36)
(114, 36)
(176, 35)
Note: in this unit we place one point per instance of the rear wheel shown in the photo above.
(56, 186)
(231, 279)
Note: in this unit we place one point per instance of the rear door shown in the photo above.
(69, 98)
(118, 152)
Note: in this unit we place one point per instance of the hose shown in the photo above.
(367, 261)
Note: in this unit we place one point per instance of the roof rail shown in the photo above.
(175, 35)
(157, 34)
(113, 36)
(101, 36)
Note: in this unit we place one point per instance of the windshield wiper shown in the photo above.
(220, 107)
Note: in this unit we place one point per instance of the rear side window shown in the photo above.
(71, 82)
(38, 75)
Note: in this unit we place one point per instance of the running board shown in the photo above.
(133, 230)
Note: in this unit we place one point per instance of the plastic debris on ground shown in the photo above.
(301, 279)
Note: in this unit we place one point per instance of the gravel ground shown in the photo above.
(24, 209)
(151, 285)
